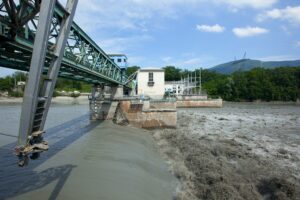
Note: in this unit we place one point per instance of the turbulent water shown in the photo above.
(241, 151)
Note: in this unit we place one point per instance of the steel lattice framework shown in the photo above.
(40, 36)
(83, 59)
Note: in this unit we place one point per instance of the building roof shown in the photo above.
(152, 69)
(114, 55)
(174, 82)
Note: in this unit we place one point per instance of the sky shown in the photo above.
(193, 33)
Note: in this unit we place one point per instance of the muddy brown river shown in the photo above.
(86, 160)
(241, 151)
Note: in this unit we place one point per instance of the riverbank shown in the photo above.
(242, 151)
(55, 100)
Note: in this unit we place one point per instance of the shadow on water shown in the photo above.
(15, 180)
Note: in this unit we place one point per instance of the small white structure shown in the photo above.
(21, 83)
(151, 82)
(119, 59)
(174, 87)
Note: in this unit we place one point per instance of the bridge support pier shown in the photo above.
(117, 92)
(38, 92)
(104, 102)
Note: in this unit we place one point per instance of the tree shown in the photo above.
(131, 70)
(172, 73)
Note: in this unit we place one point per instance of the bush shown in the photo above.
(15, 94)
(55, 93)
(75, 94)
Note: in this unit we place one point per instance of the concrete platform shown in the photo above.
(109, 162)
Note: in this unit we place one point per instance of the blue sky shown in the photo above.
(193, 33)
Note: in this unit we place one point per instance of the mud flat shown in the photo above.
(241, 151)
(90, 161)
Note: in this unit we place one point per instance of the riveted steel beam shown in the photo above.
(81, 52)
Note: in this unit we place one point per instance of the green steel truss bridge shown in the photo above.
(83, 59)
(39, 36)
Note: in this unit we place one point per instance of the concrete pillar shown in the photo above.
(146, 105)
(117, 92)
(132, 92)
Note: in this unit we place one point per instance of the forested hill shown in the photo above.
(248, 64)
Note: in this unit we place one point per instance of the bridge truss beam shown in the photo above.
(40, 36)
(83, 59)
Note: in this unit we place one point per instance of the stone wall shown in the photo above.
(162, 104)
(218, 103)
(148, 118)
(192, 97)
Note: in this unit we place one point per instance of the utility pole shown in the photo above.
(200, 81)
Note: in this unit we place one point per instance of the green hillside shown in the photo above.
(248, 64)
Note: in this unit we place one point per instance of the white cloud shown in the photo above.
(130, 14)
(256, 4)
(249, 31)
(134, 60)
(137, 14)
(290, 14)
(213, 29)
(192, 61)
(189, 60)
(122, 44)
(166, 59)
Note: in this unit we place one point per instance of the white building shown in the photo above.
(151, 82)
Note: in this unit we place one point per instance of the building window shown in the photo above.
(124, 60)
(150, 77)
(119, 60)
(113, 60)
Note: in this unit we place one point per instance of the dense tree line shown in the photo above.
(71, 85)
(8, 84)
(279, 84)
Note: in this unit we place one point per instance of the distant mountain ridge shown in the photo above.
(248, 64)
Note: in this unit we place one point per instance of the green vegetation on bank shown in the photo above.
(279, 84)
(70, 85)
(9, 84)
